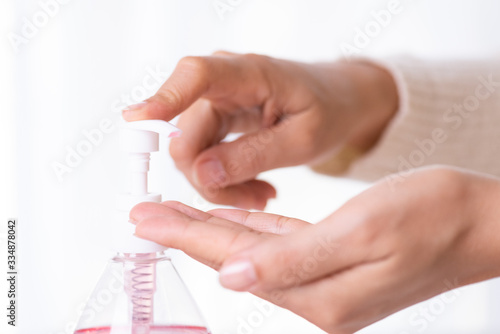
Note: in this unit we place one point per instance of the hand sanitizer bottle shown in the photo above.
(140, 291)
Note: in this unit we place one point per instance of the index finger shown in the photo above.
(195, 234)
(261, 221)
(213, 77)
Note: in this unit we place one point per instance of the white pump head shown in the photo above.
(138, 139)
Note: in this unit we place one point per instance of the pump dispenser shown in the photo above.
(140, 290)
(137, 140)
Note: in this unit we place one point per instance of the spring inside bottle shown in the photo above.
(140, 285)
(146, 296)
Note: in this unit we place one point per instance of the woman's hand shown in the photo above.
(290, 113)
(384, 250)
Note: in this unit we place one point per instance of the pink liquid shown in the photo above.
(152, 330)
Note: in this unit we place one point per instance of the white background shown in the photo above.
(74, 72)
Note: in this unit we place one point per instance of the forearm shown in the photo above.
(448, 114)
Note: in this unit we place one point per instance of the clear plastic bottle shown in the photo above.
(141, 294)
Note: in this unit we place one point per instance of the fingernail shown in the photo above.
(238, 275)
(212, 171)
(133, 221)
(136, 106)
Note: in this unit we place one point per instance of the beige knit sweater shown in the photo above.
(449, 114)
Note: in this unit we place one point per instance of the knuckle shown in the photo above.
(239, 241)
(259, 64)
(255, 58)
(283, 224)
(173, 204)
(221, 53)
(197, 65)
(171, 96)
(262, 66)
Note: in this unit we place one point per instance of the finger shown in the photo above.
(147, 209)
(260, 221)
(210, 77)
(188, 210)
(203, 216)
(206, 242)
(203, 127)
(298, 258)
(224, 53)
(230, 163)
(349, 289)
(150, 209)
(253, 194)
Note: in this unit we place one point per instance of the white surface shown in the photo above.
(93, 58)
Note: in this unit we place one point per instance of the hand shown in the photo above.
(384, 250)
(290, 113)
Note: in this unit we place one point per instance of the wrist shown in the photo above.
(484, 243)
(371, 99)
(378, 95)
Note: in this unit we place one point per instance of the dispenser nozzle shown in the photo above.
(138, 139)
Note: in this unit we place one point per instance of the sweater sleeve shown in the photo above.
(449, 114)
